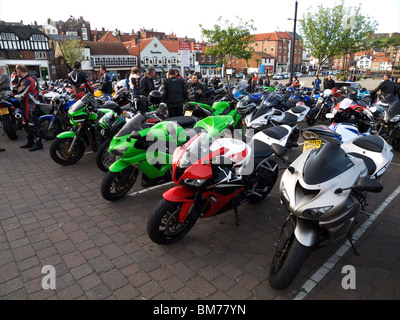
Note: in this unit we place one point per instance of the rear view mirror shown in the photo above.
(369, 185)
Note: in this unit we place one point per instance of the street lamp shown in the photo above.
(138, 36)
(293, 43)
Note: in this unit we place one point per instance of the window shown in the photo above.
(53, 70)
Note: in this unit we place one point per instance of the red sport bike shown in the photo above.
(212, 177)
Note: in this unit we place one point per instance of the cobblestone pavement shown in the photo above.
(55, 215)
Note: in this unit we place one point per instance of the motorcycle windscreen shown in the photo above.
(137, 123)
(325, 164)
(77, 106)
(394, 110)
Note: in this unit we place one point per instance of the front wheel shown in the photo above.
(163, 226)
(287, 263)
(116, 185)
(60, 151)
(104, 159)
(311, 118)
(49, 128)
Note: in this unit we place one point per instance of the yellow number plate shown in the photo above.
(4, 111)
(311, 144)
(188, 113)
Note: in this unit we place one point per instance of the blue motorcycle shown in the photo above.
(58, 120)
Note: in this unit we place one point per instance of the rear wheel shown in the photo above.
(287, 263)
(163, 226)
(116, 185)
(59, 151)
(266, 182)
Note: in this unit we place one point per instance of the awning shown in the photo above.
(158, 69)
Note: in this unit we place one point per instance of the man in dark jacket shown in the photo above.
(147, 83)
(329, 83)
(174, 94)
(386, 87)
(27, 91)
(80, 81)
(106, 83)
(195, 89)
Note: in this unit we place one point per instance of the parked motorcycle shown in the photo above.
(58, 120)
(69, 147)
(213, 176)
(389, 126)
(10, 115)
(321, 108)
(324, 190)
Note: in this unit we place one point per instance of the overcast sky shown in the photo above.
(183, 17)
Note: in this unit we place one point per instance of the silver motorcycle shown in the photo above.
(324, 189)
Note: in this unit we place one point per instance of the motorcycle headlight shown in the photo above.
(315, 213)
(118, 152)
(194, 182)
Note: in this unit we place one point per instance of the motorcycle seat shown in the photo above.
(184, 121)
(261, 149)
(292, 103)
(276, 133)
(289, 118)
(370, 143)
(298, 109)
(369, 163)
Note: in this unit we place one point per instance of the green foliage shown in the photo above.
(335, 31)
(229, 40)
(386, 42)
(73, 50)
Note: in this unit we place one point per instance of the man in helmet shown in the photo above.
(174, 94)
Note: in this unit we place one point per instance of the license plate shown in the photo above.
(311, 144)
(4, 111)
(188, 113)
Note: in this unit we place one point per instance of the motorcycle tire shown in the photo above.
(104, 159)
(266, 182)
(163, 226)
(311, 118)
(49, 133)
(287, 263)
(59, 151)
(116, 185)
(9, 127)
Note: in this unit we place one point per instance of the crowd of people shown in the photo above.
(175, 90)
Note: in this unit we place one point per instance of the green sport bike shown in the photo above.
(69, 146)
(149, 150)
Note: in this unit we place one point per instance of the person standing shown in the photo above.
(386, 87)
(134, 80)
(397, 87)
(4, 81)
(27, 91)
(195, 88)
(147, 82)
(329, 83)
(106, 83)
(174, 94)
(80, 81)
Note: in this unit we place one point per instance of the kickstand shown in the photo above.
(236, 216)
(349, 236)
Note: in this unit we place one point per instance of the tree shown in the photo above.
(73, 50)
(230, 41)
(335, 31)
